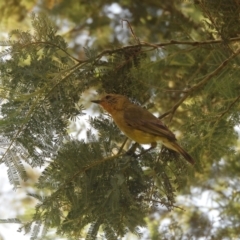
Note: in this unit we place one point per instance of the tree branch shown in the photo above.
(163, 203)
(200, 84)
(229, 107)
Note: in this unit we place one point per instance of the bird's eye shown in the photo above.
(108, 97)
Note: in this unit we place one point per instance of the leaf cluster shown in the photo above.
(40, 93)
(111, 193)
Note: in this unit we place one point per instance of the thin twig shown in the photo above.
(122, 146)
(175, 90)
(54, 45)
(172, 42)
(163, 203)
(131, 29)
(175, 107)
(229, 107)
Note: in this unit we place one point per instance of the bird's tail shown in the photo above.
(180, 150)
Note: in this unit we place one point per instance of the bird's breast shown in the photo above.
(134, 134)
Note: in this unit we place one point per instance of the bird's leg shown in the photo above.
(153, 145)
(132, 150)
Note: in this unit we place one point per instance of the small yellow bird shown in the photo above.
(139, 124)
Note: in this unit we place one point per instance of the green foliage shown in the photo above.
(41, 95)
(90, 186)
(96, 184)
(223, 17)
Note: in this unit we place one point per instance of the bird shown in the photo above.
(139, 124)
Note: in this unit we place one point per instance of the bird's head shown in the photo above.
(112, 102)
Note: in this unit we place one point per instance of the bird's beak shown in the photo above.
(96, 101)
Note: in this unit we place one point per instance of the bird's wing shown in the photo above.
(141, 119)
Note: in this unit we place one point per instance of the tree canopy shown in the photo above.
(179, 59)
